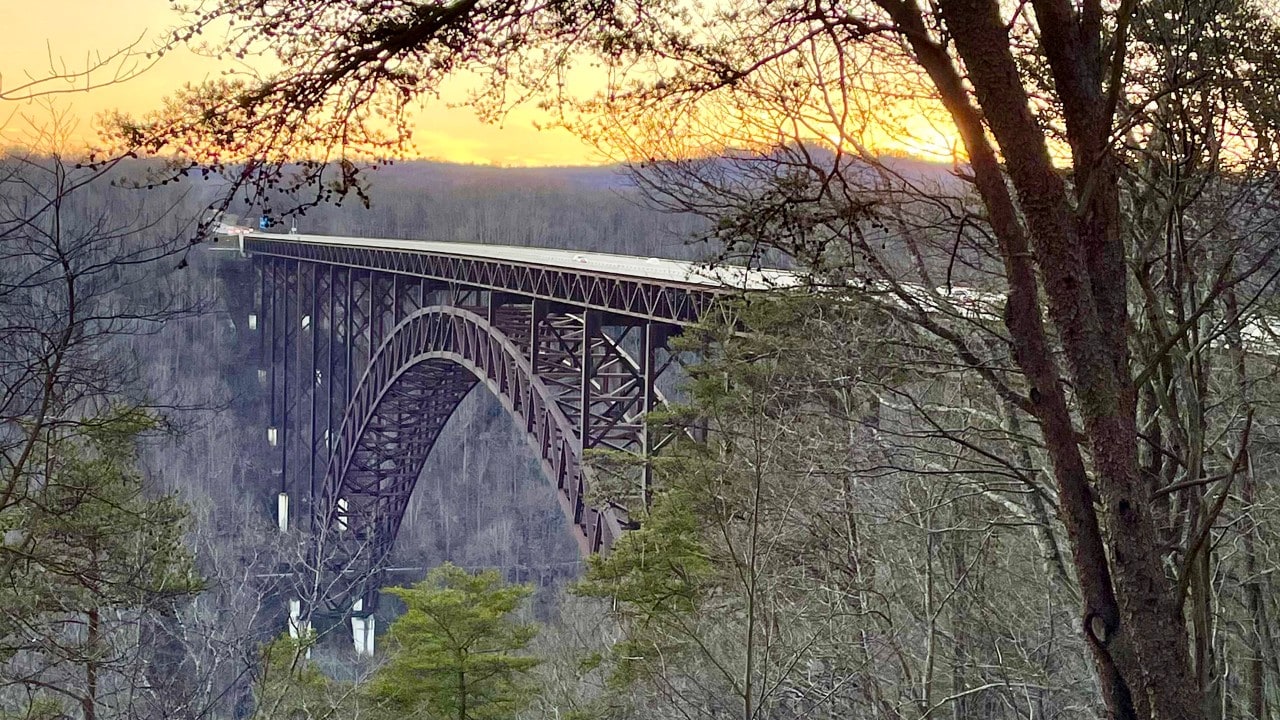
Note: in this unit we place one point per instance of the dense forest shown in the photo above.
(1005, 450)
(829, 547)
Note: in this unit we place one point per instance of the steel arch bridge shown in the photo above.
(368, 346)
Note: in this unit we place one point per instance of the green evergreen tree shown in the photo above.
(456, 652)
(714, 593)
(87, 553)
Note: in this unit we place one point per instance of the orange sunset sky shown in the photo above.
(70, 31)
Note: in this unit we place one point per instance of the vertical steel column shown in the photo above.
(537, 314)
(349, 337)
(371, 319)
(328, 366)
(262, 266)
(590, 328)
(419, 294)
(295, 400)
(271, 336)
(649, 347)
(313, 382)
(375, 335)
(395, 302)
(494, 305)
(283, 433)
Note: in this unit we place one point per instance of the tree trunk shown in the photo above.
(1257, 673)
(1131, 616)
(90, 701)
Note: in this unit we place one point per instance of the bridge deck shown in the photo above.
(659, 270)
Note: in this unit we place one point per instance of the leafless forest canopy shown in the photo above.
(869, 530)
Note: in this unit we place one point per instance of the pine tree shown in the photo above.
(456, 652)
(88, 554)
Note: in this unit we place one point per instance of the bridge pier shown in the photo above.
(282, 512)
(363, 630)
(299, 628)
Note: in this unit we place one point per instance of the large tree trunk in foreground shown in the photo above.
(1131, 616)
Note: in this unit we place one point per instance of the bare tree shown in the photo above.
(1055, 107)
(89, 552)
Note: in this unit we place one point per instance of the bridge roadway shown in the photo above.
(661, 270)
(656, 288)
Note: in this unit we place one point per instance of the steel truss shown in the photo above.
(676, 303)
(366, 366)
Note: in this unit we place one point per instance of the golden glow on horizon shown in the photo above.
(59, 34)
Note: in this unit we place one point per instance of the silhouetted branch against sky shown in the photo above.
(58, 75)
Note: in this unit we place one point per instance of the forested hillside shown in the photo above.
(577, 208)
(1003, 449)
(864, 531)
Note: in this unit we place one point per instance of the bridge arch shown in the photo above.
(419, 374)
